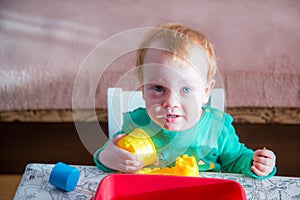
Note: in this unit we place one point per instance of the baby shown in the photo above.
(176, 66)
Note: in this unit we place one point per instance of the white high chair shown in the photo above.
(120, 102)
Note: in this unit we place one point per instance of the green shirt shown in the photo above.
(212, 141)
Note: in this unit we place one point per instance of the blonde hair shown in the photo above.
(177, 39)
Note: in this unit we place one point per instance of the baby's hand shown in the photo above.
(119, 159)
(263, 162)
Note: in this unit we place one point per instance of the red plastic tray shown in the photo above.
(144, 187)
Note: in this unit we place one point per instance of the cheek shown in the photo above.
(152, 98)
(195, 98)
(193, 108)
(153, 95)
(156, 113)
(148, 100)
(152, 104)
(193, 104)
(201, 97)
(155, 110)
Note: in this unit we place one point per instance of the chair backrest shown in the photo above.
(120, 102)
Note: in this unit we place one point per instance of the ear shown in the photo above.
(142, 88)
(212, 83)
(208, 88)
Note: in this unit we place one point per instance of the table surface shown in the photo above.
(35, 184)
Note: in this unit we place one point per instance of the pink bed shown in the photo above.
(43, 44)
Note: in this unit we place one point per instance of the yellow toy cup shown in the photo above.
(138, 142)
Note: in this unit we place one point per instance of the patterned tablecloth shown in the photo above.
(35, 184)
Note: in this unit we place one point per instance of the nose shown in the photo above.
(171, 100)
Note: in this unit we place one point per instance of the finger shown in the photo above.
(124, 154)
(129, 158)
(131, 166)
(133, 163)
(131, 169)
(262, 168)
(265, 157)
(265, 153)
(118, 153)
(117, 138)
(264, 160)
(258, 172)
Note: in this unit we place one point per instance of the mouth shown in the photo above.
(172, 117)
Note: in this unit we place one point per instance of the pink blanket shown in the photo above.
(44, 43)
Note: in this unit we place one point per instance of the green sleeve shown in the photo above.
(235, 156)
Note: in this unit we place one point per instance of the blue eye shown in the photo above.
(186, 90)
(158, 88)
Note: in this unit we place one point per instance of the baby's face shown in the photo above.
(174, 92)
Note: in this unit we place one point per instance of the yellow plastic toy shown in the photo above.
(185, 166)
(139, 143)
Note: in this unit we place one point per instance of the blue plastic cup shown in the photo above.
(64, 176)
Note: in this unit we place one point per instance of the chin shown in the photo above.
(172, 128)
